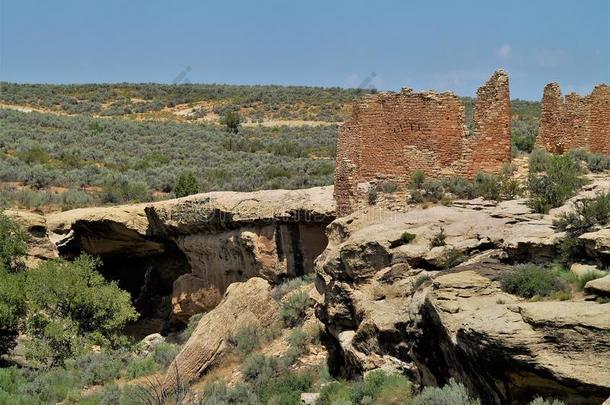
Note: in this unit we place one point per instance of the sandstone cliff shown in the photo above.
(401, 304)
(194, 247)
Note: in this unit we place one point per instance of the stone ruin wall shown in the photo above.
(574, 121)
(391, 135)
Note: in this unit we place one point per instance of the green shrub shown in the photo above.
(585, 216)
(417, 180)
(99, 368)
(537, 161)
(407, 237)
(439, 239)
(524, 142)
(578, 155)
(186, 185)
(371, 197)
(586, 277)
(294, 308)
(529, 280)
(389, 186)
(487, 186)
(383, 388)
(245, 340)
(598, 163)
(13, 308)
(258, 367)
(433, 190)
(141, 367)
(219, 392)
(416, 197)
(231, 120)
(164, 353)
(560, 181)
(285, 389)
(459, 187)
(290, 285)
(12, 244)
(451, 258)
(52, 385)
(336, 392)
(70, 304)
(419, 281)
(451, 394)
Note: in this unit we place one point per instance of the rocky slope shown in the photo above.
(194, 247)
(393, 304)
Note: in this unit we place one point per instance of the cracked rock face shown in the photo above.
(193, 248)
(248, 303)
(394, 305)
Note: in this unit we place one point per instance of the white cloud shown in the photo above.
(504, 51)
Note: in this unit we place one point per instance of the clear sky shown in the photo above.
(434, 44)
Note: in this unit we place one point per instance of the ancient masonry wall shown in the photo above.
(391, 135)
(574, 121)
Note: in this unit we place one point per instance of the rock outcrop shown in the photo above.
(39, 246)
(437, 313)
(194, 247)
(244, 304)
(599, 286)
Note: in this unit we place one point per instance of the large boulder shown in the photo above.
(244, 304)
(599, 286)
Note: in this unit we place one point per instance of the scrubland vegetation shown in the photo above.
(101, 161)
(254, 102)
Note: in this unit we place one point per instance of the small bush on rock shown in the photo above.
(529, 280)
(245, 340)
(417, 180)
(186, 185)
(537, 161)
(258, 367)
(451, 394)
(407, 237)
(560, 181)
(294, 308)
(439, 239)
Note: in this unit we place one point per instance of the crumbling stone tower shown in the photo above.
(575, 121)
(391, 135)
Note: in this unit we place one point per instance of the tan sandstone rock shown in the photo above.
(600, 287)
(40, 246)
(248, 303)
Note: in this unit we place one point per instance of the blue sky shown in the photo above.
(442, 45)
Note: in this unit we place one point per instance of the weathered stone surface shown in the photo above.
(575, 121)
(580, 270)
(214, 238)
(148, 344)
(460, 324)
(597, 243)
(192, 295)
(599, 287)
(248, 303)
(40, 246)
(390, 136)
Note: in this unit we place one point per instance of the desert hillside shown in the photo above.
(71, 146)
